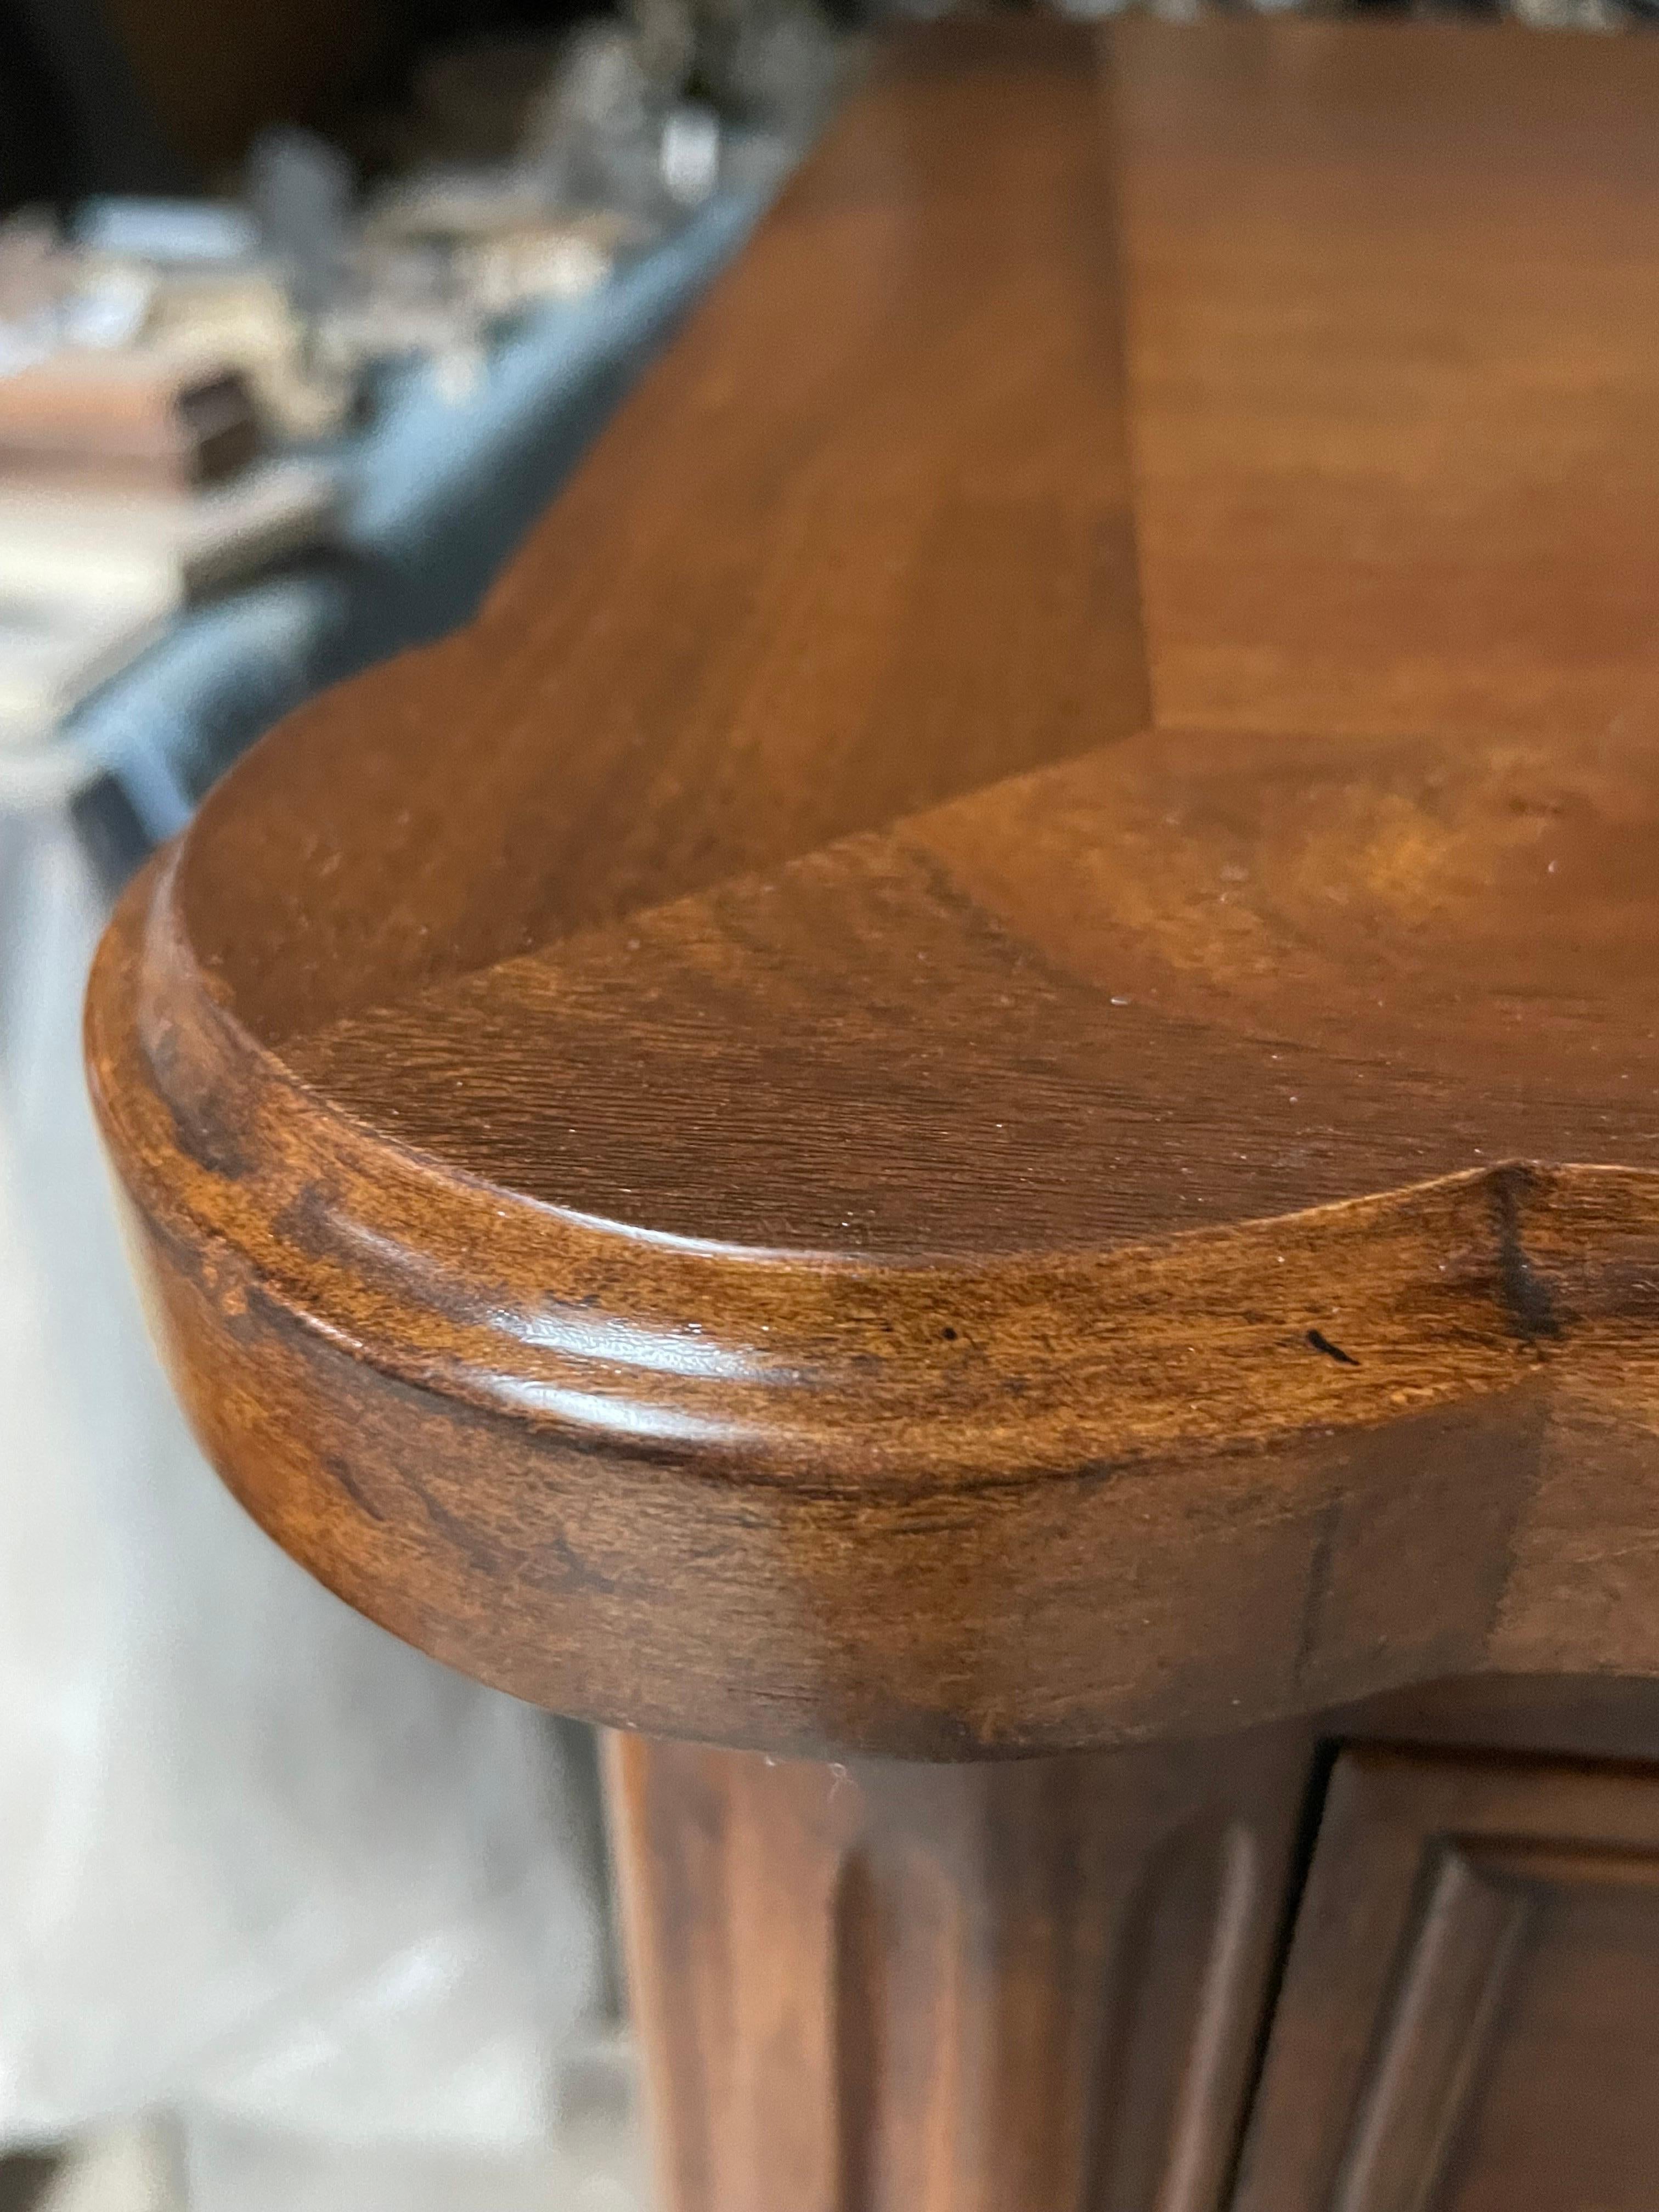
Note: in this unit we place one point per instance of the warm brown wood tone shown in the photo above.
(218, 71)
(1560, 1716)
(1019, 1988)
(862, 542)
(1468, 2020)
(978, 1076)
(112, 421)
(977, 1158)
(1393, 393)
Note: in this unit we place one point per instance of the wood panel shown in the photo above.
(1467, 2018)
(1544, 1715)
(877, 1988)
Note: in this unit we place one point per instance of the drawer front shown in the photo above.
(1469, 2021)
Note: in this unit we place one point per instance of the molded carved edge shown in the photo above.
(786, 1501)
(1449, 1292)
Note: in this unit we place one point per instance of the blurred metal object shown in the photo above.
(301, 192)
(690, 152)
(595, 138)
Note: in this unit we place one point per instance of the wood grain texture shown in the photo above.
(816, 1136)
(886, 1988)
(861, 541)
(1467, 2018)
(1393, 389)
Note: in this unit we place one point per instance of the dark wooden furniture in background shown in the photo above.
(969, 1103)
(217, 71)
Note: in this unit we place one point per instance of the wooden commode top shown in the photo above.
(981, 1072)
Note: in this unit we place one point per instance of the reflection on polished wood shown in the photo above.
(978, 1076)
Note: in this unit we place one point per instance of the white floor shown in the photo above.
(596, 2166)
(132, 2170)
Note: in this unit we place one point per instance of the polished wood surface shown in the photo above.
(804, 1137)
(1467, 2019)
(978, 1076)
(1024, 1987)
(862, 541)
(1391, 291)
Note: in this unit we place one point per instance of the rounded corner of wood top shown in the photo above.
(1250, 1115)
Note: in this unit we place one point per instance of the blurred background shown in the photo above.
(306, 308)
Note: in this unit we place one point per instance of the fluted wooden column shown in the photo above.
(886, 1988)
